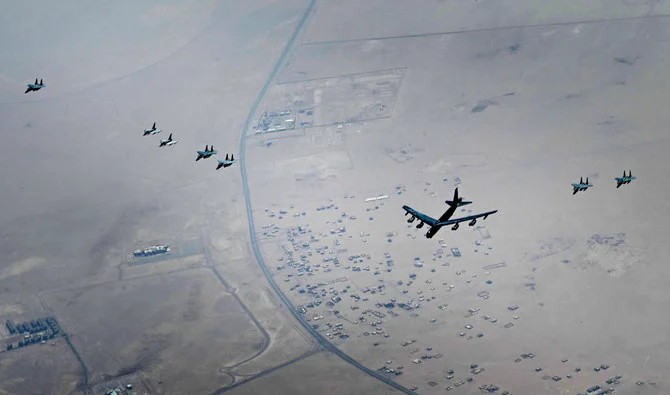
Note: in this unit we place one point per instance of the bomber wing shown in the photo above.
(464, 219)
(421, 216)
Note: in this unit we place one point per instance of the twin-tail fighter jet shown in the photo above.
(35, 87)
(582, 186)
(153, 130)
(226, 162)
(625, 179)
(445, 219)
(168, 142)
(209, 151)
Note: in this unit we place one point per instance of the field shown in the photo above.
(160, 325)
(31, 369)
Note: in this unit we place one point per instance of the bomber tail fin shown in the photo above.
(587, 180)
(41, 83)
(170, 137)
(232, 156)
(455, 201)
(35, 81)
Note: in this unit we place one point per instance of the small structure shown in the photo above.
(151, 251)
(378, 197)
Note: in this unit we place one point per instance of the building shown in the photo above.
(151, 251)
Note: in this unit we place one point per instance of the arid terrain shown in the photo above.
(294, 270)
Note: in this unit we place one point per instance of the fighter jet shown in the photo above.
(625, 179)
(168, 142)
(582, 186)
(153, 130)
(226, 162)
(444, 220)
(209, 151)
(35, 87)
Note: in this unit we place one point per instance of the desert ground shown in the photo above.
(284, 276)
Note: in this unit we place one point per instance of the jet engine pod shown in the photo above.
(455, 226)
(411, 219)
(420, 225)
(473, 222)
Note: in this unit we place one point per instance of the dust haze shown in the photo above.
(294, 269)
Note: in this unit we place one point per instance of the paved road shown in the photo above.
(254, 241)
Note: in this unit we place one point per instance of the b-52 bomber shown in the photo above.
(226, 162)
(625, 179)
(35, 87)
(168, 142)
(209, 151)
(582, 186)
(153, 130)
(445, 219)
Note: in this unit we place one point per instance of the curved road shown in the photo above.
(254, 241)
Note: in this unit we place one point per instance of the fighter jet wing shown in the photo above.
(464, 219)
(422, 217)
